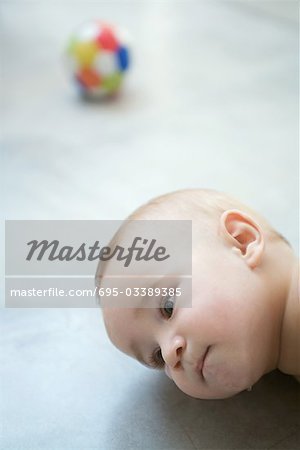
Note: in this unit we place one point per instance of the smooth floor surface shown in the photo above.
(211, 101)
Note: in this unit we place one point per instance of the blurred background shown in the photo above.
(211, 100)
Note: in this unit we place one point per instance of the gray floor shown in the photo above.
(211, 101)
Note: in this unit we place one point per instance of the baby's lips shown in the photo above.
(200, 363)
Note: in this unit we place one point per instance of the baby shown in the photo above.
(245, 316)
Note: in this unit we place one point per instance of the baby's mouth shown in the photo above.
(200, 363)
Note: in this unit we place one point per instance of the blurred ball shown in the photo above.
(98, 57)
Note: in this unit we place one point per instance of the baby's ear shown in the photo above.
(244, 235)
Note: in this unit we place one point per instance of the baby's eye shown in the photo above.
(157, 360)
(167, 307)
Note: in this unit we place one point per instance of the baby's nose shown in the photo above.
(172, 352)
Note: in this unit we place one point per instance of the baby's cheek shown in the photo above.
(209, 322)
(167, 372)
(226, 379)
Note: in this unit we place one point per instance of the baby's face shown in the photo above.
(218, 347)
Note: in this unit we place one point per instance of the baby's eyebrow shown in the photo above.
(137, 355)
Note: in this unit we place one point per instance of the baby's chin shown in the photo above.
(211, 393)
(217, 388)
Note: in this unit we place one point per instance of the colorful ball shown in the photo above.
(98, 56)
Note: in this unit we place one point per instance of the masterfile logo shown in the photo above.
(146, 251)
(53, 263)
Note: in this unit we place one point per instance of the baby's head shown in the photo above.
(230, 337)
